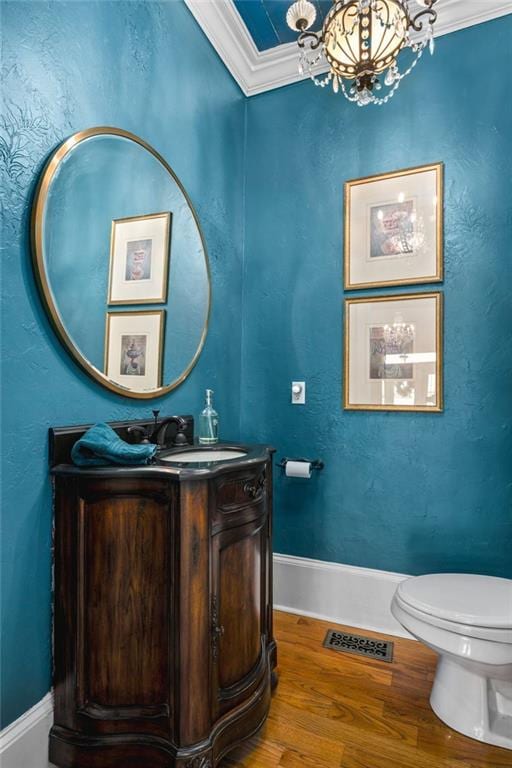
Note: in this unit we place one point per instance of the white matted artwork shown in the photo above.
(139, 259)
(133, 349)
(393, 353)
(394, 228)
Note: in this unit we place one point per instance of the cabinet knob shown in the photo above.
(255, 489)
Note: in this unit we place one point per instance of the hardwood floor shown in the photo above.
(335, 710)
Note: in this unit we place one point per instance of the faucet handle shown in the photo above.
(140, 432)
(156, 413)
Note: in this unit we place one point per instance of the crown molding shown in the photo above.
(255, 71)
(259, 71)
(223, 26)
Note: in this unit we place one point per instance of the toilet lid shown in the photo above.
(480, 601)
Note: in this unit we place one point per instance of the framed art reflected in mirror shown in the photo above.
(394, 228)
(134, 343)
(139, 259)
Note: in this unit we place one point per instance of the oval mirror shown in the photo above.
(121, 262)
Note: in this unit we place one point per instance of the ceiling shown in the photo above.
(266, 20)
(252, 38)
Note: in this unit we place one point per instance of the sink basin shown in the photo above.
(205, 454)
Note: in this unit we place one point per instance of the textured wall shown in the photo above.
(403, 492)
(145, 67)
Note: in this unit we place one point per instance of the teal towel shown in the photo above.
(101, 447)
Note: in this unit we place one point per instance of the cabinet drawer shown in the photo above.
(241, 497)
(241, 490)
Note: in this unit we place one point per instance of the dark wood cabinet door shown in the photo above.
(239, 611)
(120, 553)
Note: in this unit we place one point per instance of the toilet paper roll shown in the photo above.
(298, 469)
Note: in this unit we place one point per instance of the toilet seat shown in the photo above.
(498, 635)
(467, 600)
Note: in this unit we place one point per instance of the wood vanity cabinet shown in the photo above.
(163, 644)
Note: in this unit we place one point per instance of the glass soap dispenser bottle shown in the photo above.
(208, 422)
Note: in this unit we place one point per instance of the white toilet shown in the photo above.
(467, 620)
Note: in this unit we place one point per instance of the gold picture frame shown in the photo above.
(430, 360)
(390, 238)
(134, 344)
(135, 279)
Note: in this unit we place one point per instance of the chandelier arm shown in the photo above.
(429, 11)
(313, 38)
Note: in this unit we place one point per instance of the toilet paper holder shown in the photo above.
(315, 464)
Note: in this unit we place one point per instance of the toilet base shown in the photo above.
(473, 704)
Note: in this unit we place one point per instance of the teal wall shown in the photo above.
(402, 492)
(145, 67)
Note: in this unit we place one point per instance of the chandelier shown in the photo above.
(399, 337)
(360, 41)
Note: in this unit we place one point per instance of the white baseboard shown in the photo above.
(24, 743)
(343, 594)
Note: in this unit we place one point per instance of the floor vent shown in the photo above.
(359, 644)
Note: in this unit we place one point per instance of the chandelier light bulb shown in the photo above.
(360, 40)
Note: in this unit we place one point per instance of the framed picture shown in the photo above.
(394, 228)
(133, 349)
(393, 353)
(139, 259)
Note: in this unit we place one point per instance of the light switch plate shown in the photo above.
(298, 392)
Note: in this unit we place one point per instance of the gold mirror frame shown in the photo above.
(37, 221)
